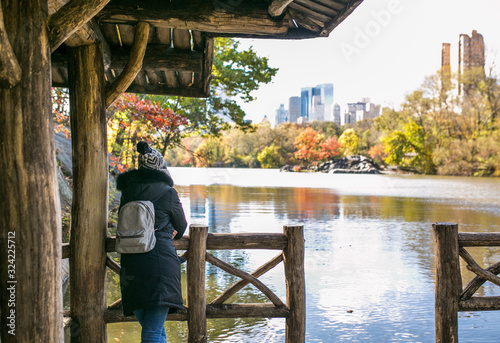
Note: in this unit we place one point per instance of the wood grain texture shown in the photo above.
(70, 18)
(90, 193)
(196, 302)
(134, 65)
(295, 285)
(448, 281)
(29, 200)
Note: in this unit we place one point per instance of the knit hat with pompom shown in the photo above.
(150, 158)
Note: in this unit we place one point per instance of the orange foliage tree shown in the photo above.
(313, 147)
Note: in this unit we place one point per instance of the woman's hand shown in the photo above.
(174, 233)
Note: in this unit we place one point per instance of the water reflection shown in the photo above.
(369, 260)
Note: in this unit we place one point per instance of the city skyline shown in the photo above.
(383, 51)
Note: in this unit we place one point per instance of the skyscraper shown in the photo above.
(445, 55)
(336, 114)
(281, 115)
(317, 102)
(470, 51)
(293, 109)
(445, 66)
(470, 55)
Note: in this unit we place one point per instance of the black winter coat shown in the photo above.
(154, 278)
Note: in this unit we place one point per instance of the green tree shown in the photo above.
(410, 147)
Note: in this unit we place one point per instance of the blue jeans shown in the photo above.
(152, 321)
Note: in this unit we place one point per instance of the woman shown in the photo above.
(151, 282)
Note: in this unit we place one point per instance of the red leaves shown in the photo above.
(311, 146)
(161, 119)
(115, 162)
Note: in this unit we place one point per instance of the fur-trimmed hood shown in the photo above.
(142, 175)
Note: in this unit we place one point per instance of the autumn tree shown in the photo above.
(330, 148)
(349, 140)
(60, 110)
(132, 118)
(270, 157)
(210, 152)
(308, 146)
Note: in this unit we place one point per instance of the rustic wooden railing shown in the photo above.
(291, 246)
(450, 296)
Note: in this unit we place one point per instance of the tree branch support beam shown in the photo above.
(70, 18)
(277, 7)
(134, 65)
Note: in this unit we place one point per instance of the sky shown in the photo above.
(382, 51)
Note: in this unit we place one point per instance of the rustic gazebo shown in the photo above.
(98, 49)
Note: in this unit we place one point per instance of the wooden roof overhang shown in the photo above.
(177, 49)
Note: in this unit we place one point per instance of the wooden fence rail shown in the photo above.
(451, 297)
(291, 246)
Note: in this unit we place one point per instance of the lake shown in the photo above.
(369, 253)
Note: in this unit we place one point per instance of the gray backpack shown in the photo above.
(135, 233)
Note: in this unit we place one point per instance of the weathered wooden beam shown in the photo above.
(115, 315)
(277, 7)
(246, 311)
(306, 22)
(479, 239)
(478, 281)
(71, 17)
(207, 67)
(245, 276)
(294, 33)
(341, 16)
(476, 268)
(133, 66)
(10, 70)
(316, 7)
(190, 92)
(207, 16)
(182, 40)
(242, 283)
(228, 241)
(195, 273)
(480, 304)
(111, 264)
(89, 215)
(319, 17)
(448, 281)
(88, 34)
(65, 250)
(30, 218)
(158, 57)
(293, 255)
(162, 57)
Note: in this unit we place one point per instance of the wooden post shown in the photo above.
(30, 222)
(448, 280)
(90, 194)
(295, 285)
(197, 321)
